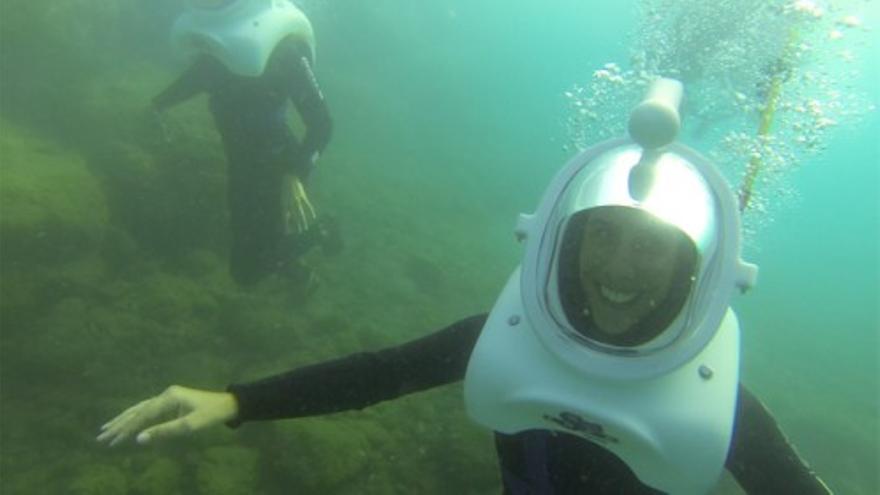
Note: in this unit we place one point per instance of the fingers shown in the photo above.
(119, 429)
(303, 224)
(296, 203)
(122, 426)
(123, 415)
(304, 207)
(204, 409)
(303, 199)
(138, 416)
(174, 428)
(196, 409)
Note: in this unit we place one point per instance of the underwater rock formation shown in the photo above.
(99, 479)
(53, 216)
(227, 471)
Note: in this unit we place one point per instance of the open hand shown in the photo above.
(299, 213)
(193, 410)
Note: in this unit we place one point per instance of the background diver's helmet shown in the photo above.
(242, 34)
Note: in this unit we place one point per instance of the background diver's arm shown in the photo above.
(309, 102)
(192, 82)
(362, 379)
(761, 458)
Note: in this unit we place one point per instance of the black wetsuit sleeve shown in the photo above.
(761, 458)
(193, 81)
(309, 101)
(362, 379)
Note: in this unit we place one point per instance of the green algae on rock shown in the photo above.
(228, 471)
(53, 217)
(99, 479)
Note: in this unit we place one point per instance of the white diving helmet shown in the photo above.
(617, 326)
(242, 34)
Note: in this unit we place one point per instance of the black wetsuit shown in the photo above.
(250, 114)
(535, 462)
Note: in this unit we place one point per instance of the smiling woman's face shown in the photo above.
(627, 264)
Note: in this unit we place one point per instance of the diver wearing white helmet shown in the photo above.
(609, 363)
(253, 57)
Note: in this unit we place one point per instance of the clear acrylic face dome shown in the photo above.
(628, 277)
(623, 275)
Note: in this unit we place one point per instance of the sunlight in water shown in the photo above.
(765, 83)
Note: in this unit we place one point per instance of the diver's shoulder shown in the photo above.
(292, 49)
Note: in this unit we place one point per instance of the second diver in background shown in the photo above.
(251, 57)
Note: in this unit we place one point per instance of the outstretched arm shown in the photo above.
(353, 382)
(761, 458)
(192, 82)
(363, 379)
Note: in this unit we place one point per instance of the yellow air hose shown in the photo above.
(767, 113)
